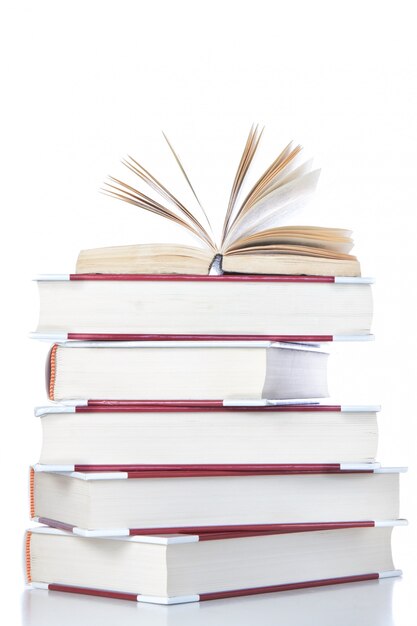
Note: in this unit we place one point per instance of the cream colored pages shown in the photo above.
(145, 259)
(214, 500)
(323, 239)
(223, 437)
(208, 566)
(157, 373)
(288, 264)
(281, 189)
(270, 209)
(277, 559)
(107, 564)
(221, 307)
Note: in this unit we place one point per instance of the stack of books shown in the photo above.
(188, 453)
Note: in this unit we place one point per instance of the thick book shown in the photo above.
(123, 500)
(172, 569)
(254, 238)
(325, 605)
(157, 433)
(145, 370)
(278, 308)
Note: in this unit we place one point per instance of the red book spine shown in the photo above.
(53, 523)
(176, 337)
(195, 467)
(195, 406)
(208, 533)
(211, 473)
(231, 531)
(191, 470)
(51, 372)
(287, 587)
(251, 278)
(117, 595)
(32, 492)
(178, 404)
(27, 557)
(221, 594)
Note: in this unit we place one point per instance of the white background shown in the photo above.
(85, 83)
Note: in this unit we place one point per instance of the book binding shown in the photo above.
(200, 406)
(308, 584)
(213, 533)
(253, 278)
(158, 337)
(94, 472)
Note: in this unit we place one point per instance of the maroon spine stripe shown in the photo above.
(239, 535)
(215, 467)
(53, 523)
(207, 533)
(117, 595)
(245, 467)
(251, 278)
(288, 587)
(176, 337)
(190, 408)
(220, 594)
(152, 403)
(218, 473)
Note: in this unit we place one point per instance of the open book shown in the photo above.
(252, 240)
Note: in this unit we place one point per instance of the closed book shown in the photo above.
(121, 500)
(324, 605)
(126, 306)
(210, 432)
(145, 370)
(171, 569)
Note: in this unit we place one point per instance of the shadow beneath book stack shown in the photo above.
(367, 603)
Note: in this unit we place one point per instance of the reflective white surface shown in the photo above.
(373, 603)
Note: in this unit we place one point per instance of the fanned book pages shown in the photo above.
(253, 240)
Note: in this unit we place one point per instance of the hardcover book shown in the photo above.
(146, 370)
(210, 433)
(278, 308)
(116, 500)
(171, 569)
(333, 600)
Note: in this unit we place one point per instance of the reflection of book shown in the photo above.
(193, 568)
(153, 433)
(253, 238)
